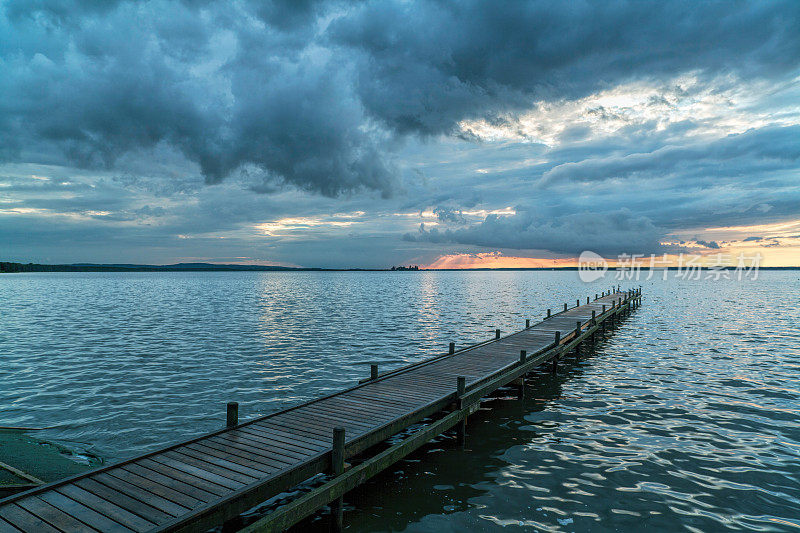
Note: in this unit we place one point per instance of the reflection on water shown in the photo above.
(687, 418)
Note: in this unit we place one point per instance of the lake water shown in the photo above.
(687, 418)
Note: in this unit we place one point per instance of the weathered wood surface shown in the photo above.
(207, 480)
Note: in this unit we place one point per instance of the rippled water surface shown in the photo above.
(687, 418)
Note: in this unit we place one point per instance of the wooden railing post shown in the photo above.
(497, 334)
(461, 428)
(565, 307)
(373, 371)
(232, 414)
(548, 313)
(337, 469)
(527, 323)
(555, 357)
(452, 348)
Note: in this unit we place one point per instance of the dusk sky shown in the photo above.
(371, 134)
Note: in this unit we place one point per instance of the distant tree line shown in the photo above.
(409, 267)
(8, 267)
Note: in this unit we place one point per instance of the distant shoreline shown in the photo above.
(11, 268)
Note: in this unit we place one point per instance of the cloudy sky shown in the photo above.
(367, 134)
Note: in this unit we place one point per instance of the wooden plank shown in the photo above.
(206, 475)
(53, 516)
(112, 511)
(259, 448)
(212, 456)
(208, 466)
(301, 442)
(6, 527)
(423, 395)
(165, 480)
(234, 455)
(148, 512)
(22, 519)
(352, 407)
(19, 473)
(366, 407)
(383, 399)
(256, 453)
(364, 417)
(156, 488)
(273, 441)
(311, 432)
(89, 516)
(325, 422)
(310, 441)
(276, 440)
(189, 479)
(227, 447)
(150, 498)
(412, 385)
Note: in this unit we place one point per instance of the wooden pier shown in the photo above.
(201, 483)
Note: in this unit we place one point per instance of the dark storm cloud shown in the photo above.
(224, 90)
(606, 233)
(427, 65)
(316, 94)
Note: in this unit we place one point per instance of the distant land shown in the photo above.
(10, 268)
(178, 267)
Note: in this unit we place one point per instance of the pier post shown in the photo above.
(523, 355)
(337, 468)
(555, 357)
(452, 348)
(373, 371)
(461, 428)
(565, 307)
(548, 313)
(578, 334)
(578, 302)
(233, 414)
(595, 296)
(527, 323)
(587, 299)
(594, 323)
(497, 334)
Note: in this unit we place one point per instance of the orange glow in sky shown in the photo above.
(497, 260)
(781, 256)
